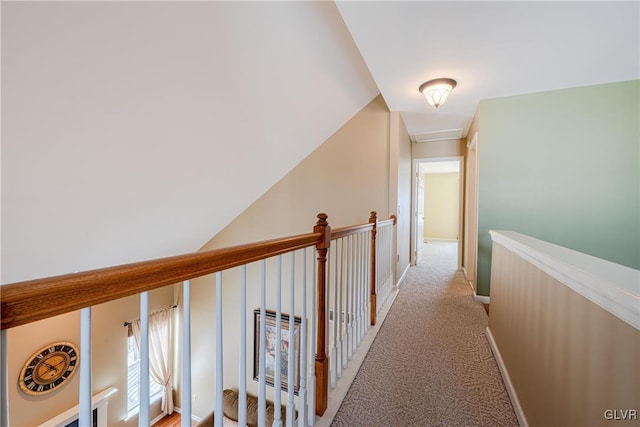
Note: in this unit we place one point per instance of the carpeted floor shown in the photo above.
(430, 364)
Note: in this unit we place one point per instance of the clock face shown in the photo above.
(49, 368)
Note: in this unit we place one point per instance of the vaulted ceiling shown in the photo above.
(133, 130)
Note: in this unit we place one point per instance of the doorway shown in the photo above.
(438, 203)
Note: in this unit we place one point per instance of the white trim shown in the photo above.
(158, 418)
(413, 226)
(193, 417)
(133, 413)
(471, 200)
(99, 401)
(481, 298)
(522, 419)
(612, 286)
(404, 276)
(472, 144)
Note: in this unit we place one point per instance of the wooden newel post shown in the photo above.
(372, 297)
(322, 363)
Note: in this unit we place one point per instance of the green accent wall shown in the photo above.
(562, 166)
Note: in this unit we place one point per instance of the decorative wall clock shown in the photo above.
(49, 368)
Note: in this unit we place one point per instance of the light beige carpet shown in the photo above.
(430, 364)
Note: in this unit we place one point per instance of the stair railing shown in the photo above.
(346, 269)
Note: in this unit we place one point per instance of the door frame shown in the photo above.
(471, 216)
(414, 198)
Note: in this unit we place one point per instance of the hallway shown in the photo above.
(430, 364)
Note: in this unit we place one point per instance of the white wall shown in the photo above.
(124, 123)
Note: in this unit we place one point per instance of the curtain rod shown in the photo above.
(167, 308)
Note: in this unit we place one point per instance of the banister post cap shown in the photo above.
(322, 226)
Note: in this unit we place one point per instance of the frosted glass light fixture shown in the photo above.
(436, 91)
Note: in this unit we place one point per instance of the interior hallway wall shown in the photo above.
(562, 166)
(441, 206)
(470, 212)
(400, 142)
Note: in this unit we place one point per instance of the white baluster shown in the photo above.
(311, 413)
(344, 300)
(186, 355)
(85, 415)
(242, 393)
(143, 415)
(277, 372)
(219, 351)
(369, 278)
(302, 391)
(333, 331)
(358, 289)
(4, 387)
(378, 266)
(290, 355)
(352, 293)
(386, 264)
(363, 285)
(262, 385)
(347, 303)
(367, 281)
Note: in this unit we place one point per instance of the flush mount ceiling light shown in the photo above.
(436, 91)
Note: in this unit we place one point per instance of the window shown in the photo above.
(133, 379)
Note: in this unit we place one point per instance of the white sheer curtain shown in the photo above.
(159, 353)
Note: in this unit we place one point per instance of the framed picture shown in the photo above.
(270, 350)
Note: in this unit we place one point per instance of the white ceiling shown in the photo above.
(492, 49)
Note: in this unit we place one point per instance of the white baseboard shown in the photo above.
(404, 275)
(522, 419)
(193, 417)
(481, 298)
(158, 418)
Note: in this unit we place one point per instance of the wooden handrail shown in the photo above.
(341, 232)
(33, 300)
(29, 301)
(347, 231)
(391, 221)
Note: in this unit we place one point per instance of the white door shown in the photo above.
(419, 214)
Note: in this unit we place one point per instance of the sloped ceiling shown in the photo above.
(492, 49)
(134, 130)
